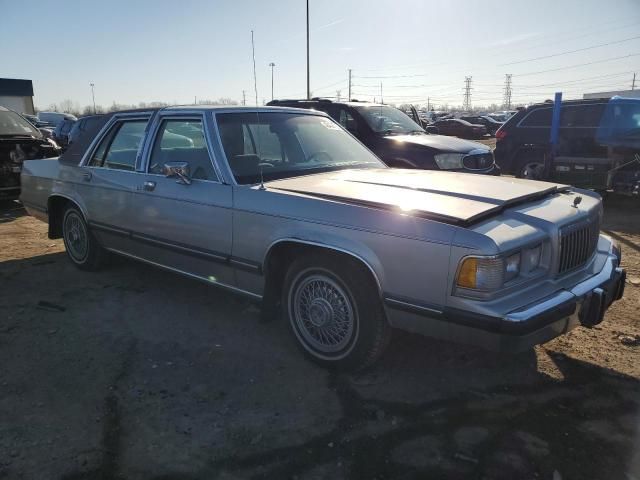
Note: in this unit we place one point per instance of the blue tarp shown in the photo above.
(620, 124)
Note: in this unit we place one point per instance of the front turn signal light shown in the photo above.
(467, 274)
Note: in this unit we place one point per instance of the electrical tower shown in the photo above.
(467, 94)
(507, 91)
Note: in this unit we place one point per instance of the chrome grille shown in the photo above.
(577, 243)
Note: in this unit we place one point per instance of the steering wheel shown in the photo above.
(314, 156)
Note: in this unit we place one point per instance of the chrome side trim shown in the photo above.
(412, 307)
(187, 274)
(321, 245)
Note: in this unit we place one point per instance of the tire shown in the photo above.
(81, 245)
(322, 288)
(530, 166)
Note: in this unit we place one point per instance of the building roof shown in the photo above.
(14, 87)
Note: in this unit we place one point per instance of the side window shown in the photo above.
(585, 116)
(540, 117)
(182, 140)
(119, 148)
(347, 120)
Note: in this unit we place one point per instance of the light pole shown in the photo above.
(308, 83)
(93, 96)
(272, 65)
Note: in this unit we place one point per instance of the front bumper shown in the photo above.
(583, 304)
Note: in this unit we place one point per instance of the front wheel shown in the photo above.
(334, 312)
(82, 247)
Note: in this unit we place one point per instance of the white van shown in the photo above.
(54, 118)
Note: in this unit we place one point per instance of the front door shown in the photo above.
(183, 223)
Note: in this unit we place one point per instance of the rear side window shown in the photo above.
(119, 148)
(540, 117)
(582, 116)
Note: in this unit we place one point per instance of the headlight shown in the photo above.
(531, 258)
(512, 267)
(488, 274)
(449, 161)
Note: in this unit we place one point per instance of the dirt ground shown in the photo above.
(135, 373)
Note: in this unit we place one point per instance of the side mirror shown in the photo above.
(180, 170)
(432, 129)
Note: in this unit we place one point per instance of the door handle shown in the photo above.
(86, 176)
(149, 186)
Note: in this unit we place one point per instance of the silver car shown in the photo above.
(286, 207)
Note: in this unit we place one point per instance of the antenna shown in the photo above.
(255, 82)
(261, 165)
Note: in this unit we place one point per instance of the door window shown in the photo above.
(182, 140)
(119, 148)
(540, 117)
(581, 116)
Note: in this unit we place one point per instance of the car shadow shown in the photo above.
(10, 210)
(192, 362)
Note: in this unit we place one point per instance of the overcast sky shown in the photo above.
(174, 51)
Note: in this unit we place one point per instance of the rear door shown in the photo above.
(186, 226)
(108, 177)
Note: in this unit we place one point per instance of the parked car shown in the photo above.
(83, 125)
(460, 128)
(54, 118)
(490, 124)
(284, 206)
(19, 141)
(61, 132)
(523, 144)
(399, 141)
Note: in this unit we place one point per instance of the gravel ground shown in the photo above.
(135, 373)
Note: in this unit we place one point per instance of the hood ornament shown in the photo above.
(577, 201)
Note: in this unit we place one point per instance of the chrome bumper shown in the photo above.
(536, 323)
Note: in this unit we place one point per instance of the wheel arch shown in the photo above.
(281, 252)
(56, 205)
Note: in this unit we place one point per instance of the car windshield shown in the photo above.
(388, 120)
(283, 145)
(12, 124)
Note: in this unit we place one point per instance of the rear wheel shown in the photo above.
(530, 166)
(334, 312)
(82, 247)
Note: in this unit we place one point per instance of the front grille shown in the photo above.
(577, 243)
(480, 161)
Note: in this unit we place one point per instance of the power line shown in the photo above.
(577, 65)
(570, 51)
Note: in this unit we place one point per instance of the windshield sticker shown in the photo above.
(330, 125)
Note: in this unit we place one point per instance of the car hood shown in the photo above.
(456, 198)
(439, 142)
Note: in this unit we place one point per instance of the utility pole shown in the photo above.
(338, 95)
(244, 98)
(507, 91)
(308, 81)
(93, 96)
(255, 81)
(381, 97)
(195, 99)
(272, 65)
(633, 82)
(349, 95)
(467, 94)
(428, 109)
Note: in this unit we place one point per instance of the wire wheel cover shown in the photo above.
(75, 235)
(323, 313)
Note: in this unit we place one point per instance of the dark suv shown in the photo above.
(523, 145)
(399, 141)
